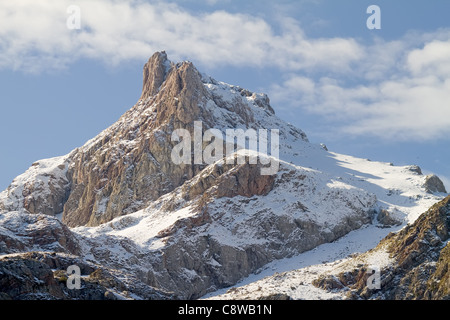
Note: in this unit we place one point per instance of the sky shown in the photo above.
(69, 69)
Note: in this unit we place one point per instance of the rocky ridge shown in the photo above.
(418, 270)
(412, 264)
(43, 276)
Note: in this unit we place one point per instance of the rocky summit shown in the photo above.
(175, 199)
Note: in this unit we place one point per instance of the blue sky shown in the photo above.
(378, 94)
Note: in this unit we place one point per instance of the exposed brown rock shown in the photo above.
(43, 276)
(438, 284)
(232, 180)
(155, 71)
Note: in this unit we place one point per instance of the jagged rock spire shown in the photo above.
(155, 72)
(183, 88)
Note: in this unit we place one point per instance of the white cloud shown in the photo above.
(35, 36)
(403, 94)
(433, 59)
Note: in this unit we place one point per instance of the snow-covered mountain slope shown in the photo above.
(295, 277)
(42, 188)
(193, 228)
(305, 211)
(409, 264)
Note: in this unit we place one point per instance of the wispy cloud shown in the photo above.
(34, 36)
(403, 91)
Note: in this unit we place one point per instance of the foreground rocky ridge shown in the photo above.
(165, 230)
(421, 260)
(43, 276)
(412, 264)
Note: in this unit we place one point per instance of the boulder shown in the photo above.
(433, 184)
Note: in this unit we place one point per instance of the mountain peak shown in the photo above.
(155, 72)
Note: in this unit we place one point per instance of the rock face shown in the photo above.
(43, 188)
(130, 165)
(155, 72)
(43, 276)
(21, 232)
